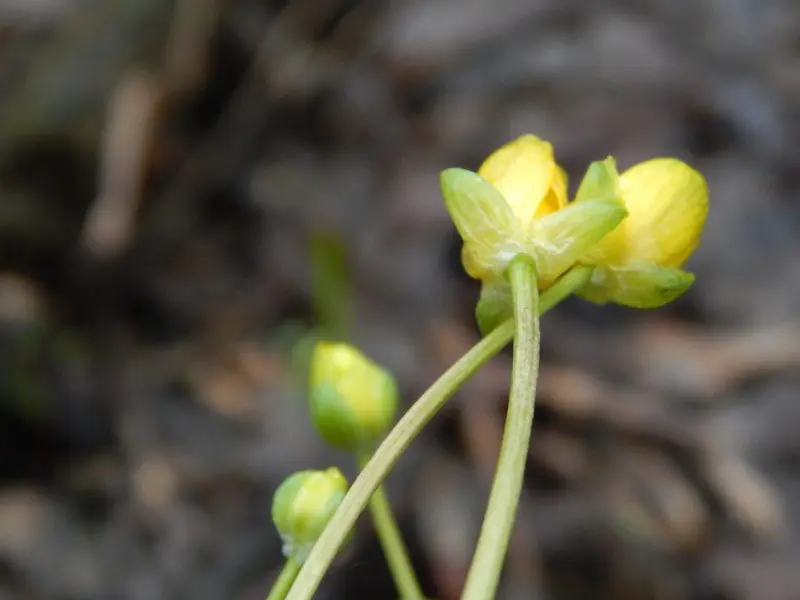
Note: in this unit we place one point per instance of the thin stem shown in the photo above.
(285, 580)
(572, 280)
(487, 562)
(403, 433)
(392, 543)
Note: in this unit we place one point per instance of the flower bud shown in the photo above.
(353, 400)
(302, 506)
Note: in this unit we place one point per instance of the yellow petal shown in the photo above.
(667, 204)
(556, 197)
(523, 171)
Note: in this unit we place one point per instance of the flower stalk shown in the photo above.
(391, 540)
(487, 562)
(285, 580)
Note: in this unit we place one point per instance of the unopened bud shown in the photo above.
(353, 400)
(302, 506)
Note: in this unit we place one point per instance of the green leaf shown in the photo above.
(601, 182)
(494, 305)
(560, 239)
(482, 217)
(637, 285)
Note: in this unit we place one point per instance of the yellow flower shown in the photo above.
(638, 264)
(517, 204)
(352, 400)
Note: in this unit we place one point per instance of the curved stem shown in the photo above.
(392, 543)
(285, 580)
(406, 429)
(487, 563)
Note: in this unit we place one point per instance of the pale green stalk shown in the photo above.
(392, 543)
(285, 580)
(487, 562)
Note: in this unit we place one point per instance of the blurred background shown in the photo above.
(192, 191)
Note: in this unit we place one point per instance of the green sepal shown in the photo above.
(601, 182)
(563, 237)
(482, 217)
(637, 285)
(494, 305)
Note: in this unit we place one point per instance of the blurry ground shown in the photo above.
(177, 180)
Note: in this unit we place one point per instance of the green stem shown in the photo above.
(406, 429)
(572, 280)
(392, 543)
(285, 580)
(487, 563)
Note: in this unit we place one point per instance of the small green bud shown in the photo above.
(302, 506)
(353, 400)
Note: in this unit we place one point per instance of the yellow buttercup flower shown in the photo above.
(517, 204)
(638, 264)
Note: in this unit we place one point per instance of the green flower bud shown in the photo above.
(302, 506)
(353, 400)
